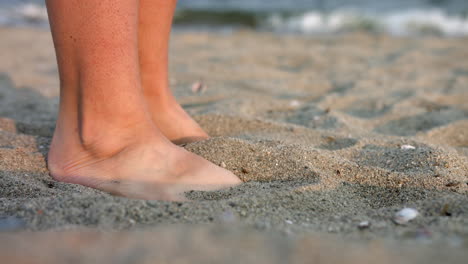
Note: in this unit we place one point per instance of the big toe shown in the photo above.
(218, 178)
(231, 179)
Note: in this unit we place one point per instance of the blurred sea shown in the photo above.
(397, 17)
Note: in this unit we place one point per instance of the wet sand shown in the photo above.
(314, 126)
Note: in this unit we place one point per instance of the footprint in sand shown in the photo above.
(409, 126)
(368, 109)
(422, 160)
(309, 116)
(334, 143)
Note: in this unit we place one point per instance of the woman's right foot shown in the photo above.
(148, 168)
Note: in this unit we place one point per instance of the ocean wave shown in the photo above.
(402, 23)
(27, 14)
(408, 22)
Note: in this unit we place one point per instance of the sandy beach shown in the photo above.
(327, 132)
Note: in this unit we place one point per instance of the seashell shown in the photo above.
(408, 147)
(289, 222)
(199, 87)
(405, 215)
(294, 103)
(364, 225)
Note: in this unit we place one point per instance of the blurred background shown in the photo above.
(396, 17)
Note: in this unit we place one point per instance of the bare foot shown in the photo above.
(174, 122)
(105, 136)
(149, 168)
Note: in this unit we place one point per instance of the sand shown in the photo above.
(313, 125)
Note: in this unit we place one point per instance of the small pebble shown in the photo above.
(405, 215)
(408, 147)
(289, 222)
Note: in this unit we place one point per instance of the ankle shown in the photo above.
(74, 146)
(156, 90)
(67, 160)
(107, 139)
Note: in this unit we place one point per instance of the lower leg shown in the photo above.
(98, 65)
(154, 33)
(105, 137)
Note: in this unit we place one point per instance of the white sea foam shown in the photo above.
(24, 14)
(415, 21)
(32, 12)
(407, 22)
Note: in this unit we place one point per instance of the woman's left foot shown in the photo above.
(174, 122)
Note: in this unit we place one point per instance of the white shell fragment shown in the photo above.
(199, 87)
(289, 222)
(364, 225)
(408, 147)
(405, 215)
(294, 103)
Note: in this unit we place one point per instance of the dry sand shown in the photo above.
(314, 126)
